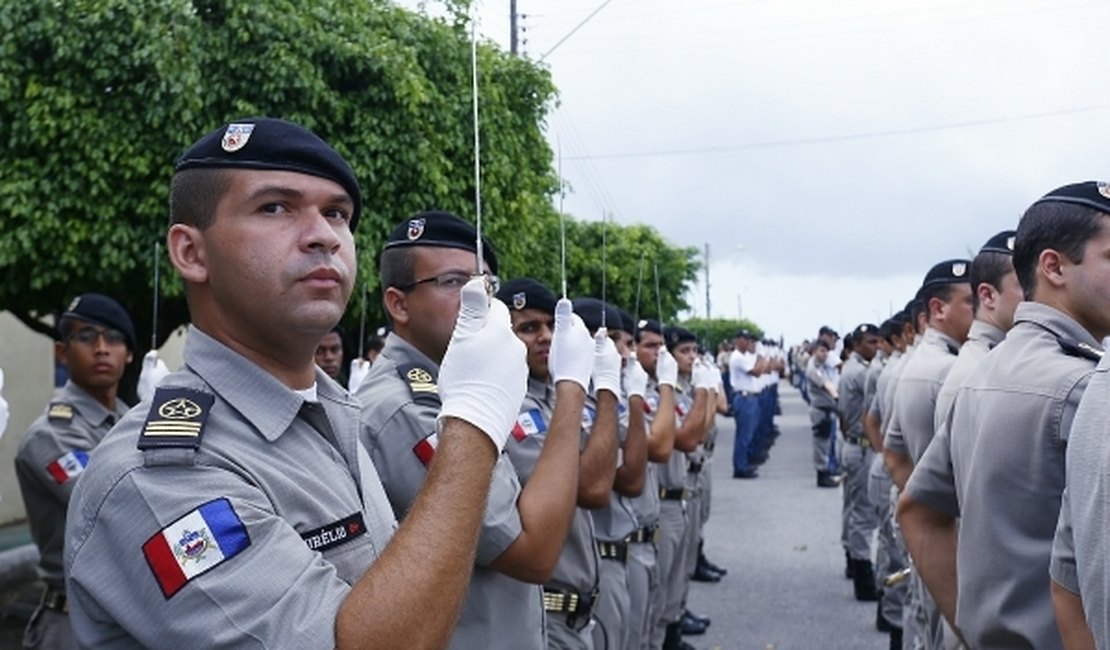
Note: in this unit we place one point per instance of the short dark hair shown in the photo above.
(65, 328)
(989, 267)
(374, 343)
(942, 291)
(397, 267)
(1063, 227)
(194, 194)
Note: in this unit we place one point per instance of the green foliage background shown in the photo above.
(99, 97)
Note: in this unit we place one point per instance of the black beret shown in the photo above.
(102, 310)
(648, 325)
(865, 328)
(441, 229)
(676, 336)
(744, 333)
(1092, 194)
(627, 322)
(269, 143)
(590, 311)
(1003, 242)
(947, 272)
(526, 293)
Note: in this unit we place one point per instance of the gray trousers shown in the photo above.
(643, 581)
(825, 423)
(705, 486)
(890, 557)
(666, 601)
(612, 611)
(693, 532)
(49, 630)
(859, 516)
(564, 637)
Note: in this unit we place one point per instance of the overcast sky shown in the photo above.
(845, 145)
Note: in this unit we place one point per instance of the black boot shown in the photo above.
(704, 561)
(881, 624)
(672, 640)
(863, 579)
(825, 480)
(895, 638)
(849, 568)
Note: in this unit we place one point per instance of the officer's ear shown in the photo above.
(1050, 268)
(396, 305)
(185, 245)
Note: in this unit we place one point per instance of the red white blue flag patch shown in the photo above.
(588, 417)
(425, 450)
(195, 544)
(68, 465)
(527, 424)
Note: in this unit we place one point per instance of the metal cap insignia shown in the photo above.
(416, 228)
(236, 136)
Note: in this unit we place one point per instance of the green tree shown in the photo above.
(711, 332)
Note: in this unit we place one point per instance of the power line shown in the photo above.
(576, 28)
(769, 144)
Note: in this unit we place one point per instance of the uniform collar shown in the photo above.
(985, 332)
(1054, 321)
(90, 409)
(933, 336)
(269, 405)
(858, 358)
(540, 389)
(401, 351)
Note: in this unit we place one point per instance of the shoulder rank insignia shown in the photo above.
(1080, 349)
(176, 419)
(60, 411)
(420, 381)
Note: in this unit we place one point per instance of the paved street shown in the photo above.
(779, 536)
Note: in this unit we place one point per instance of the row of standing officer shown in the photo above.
(252, 501)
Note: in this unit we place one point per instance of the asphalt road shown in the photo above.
(779, 537)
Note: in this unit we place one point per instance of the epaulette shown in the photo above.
(953, 350)
(1080, 349)
(420, 381)
(60, 412)
(176, 419)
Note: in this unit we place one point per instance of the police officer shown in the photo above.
(425, 260)
(927, 511)
(238, 508)
(822, 412)
(1012, 417)
(96, 340)
(329, 354)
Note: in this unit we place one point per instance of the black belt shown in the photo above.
(54, 600)
(693, 466)
(861, 441)
(613, 550)
(744, 393)
(709, 446)
(675, 494)
(643, 535)
(577, 606)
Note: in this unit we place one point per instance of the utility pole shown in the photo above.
(708, 309)
(513, 28)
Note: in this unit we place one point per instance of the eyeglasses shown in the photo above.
(90, 335)
(453, 281)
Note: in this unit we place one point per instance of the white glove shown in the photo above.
(607, 364)
(572, 350)
(154, 369)
(359, 369)
(704, 376)
(484, 373)
(666, 369)
(635, 378)
(3, 407)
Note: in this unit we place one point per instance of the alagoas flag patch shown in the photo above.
(425, 450)
(650, 404)
(527, 424)
(588, 417)
(195, 544)
(68, 465)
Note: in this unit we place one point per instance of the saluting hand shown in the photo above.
(607, 363)
(572, 350)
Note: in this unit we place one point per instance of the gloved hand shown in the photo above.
(3, 407)
(607, 364)
(666, 369)
(705, 376)
(359, 369)
(484, 373)
(154, 369)
(635, 378)
(572, 350)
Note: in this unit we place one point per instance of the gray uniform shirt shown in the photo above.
(871, 380)
(252, 539)
(915, 398)
(672, 473)
(578, 566)
(646, 506)
(50, 459)
(1009, 430)
(853, 378)
(932, 482)
(888, 385)
(820, 399)
(399, 409)
(617, 520)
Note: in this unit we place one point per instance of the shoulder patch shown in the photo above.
(68, 465)
(425, 450)
(194, 544)
(1080, 349)
(589, 415)
(420, 381)
(60, 411)
(176, 419)
(527, 424)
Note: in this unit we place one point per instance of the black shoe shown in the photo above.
(896, 638)
(881, 624)
(863, 581)
(712, 567)
(825, 480)
(849, 568)
(700, 619)
(748, 473)
(691, 627)
(672, 640)
(703, 574)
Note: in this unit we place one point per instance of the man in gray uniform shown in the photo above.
(523, 531)
(549, 418)
(859, 519)
(237, 508)
(1012, 417)
(822, 411)
(96, 340)
(927, 510)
